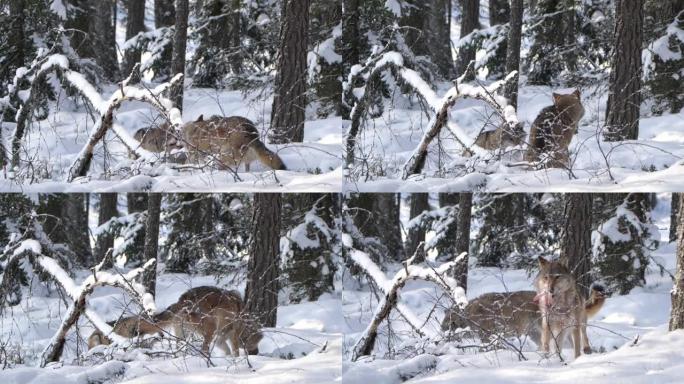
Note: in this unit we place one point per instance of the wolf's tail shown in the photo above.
(266, 156)
(596, 299)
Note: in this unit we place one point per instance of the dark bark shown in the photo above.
(624, 96)
(262, 271)
(107, 210)
(419, 204)
(674, 216)
(470, 22)
(513, 50)
(576, 239)
(149, 278)
(570, 35)
(677, 314)
(75, 219)
(465, 205)
(289, 99)
(350, 41)
(137, 202)
(164, 16)
(104, 46)
(78, 23)
(499, 12)
(180, 41)
(135, 23)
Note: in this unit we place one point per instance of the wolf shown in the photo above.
(562, 307)
(158, 139)
(233, 140)
(509, 314)
(502, 137)
(131, 326)
(214, 313)
(553, 129)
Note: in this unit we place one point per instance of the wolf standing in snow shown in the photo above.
(553, 129)
(233, 140)
(509, 314)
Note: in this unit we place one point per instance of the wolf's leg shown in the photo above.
(208, 337)
(545, 333)
(223, 345)
(576, 339)
(234, 343)
(247, 166)
(585, 339)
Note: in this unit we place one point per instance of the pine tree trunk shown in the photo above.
(570, 35)
(350, 41)
(576, 238)
(79, 15)
(677, 314)
(164, 16)
(75, 219)
(624, 96)
(289, 99)
(17, 11)
(513, 50)
(180, 41)
(419, 204)
(470, 22)
(135, 23)
(674, 215)
(137, 202)
(104, 46)
(262, 270)
(438, 35)
(465, 205)
(108, 210)
(386, 211)
(149, 277)
(545, 56)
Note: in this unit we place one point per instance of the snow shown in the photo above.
(400, 356)
(28, 245)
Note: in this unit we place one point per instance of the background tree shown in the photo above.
(418, 204)
(465, 204)
(149, 277)
(180, 40)
(137, 203)
(677, 314)
(470, 21)
(107, 210)
(576, 238)
(289, 99)
(263, 268)
(624, 95)
(545, 60)
(191, 233)
(674, 216)
(135, 23)
(513, 50)
(104, 41)
(164, 16)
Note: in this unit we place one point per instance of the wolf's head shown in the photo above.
(251, 335)
(570, 105)
(552, 281)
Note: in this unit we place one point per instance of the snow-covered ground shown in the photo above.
(55, 142)
(304, 347)
(642, 315)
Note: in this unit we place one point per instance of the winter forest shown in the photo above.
(341, 191)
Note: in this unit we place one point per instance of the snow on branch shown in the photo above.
(390, 288)
(373, 71)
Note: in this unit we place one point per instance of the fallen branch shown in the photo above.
(364, 346)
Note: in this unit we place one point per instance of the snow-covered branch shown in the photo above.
(390, 289)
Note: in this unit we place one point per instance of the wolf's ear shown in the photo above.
(543, 263)
(556, 98)
(200, 118)
(577, 93)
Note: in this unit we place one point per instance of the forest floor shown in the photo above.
(54, 143)
(629, 334)
(304, 347)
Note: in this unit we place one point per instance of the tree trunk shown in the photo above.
(624, 96)
(419, 204)
(289, 99)
(149, 277)
(386, 213)
(470, 22)
(677, 314)
(180, 41)
(104, 46)
(674, 215)
(108, 210)
(135, 23)
(350, 42)
(513, 50)
(570, 35)
(499, 12)
(465, 205)
(576, 239)
(164, 16)
(262, 271)
(79, 15)
(75, 218)
(137, 202)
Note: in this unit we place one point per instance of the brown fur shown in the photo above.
(131, 326)
(553, 129)
(157, 139)
(563, 309)
(501, 138)
(214, 313)
(509, 314)
(233, 140)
